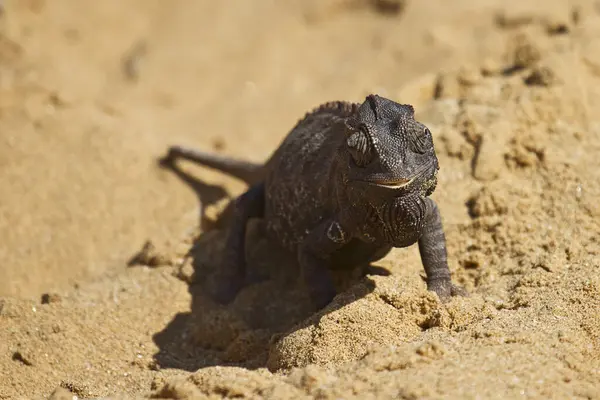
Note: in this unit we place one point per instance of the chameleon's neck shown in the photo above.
(397, 221)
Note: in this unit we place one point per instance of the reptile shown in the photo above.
(347, 184)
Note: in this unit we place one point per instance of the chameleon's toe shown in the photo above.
(459, 291)
(445, 289)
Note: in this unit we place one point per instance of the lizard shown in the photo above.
(348, 183)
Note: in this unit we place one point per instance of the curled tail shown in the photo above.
(246, 171)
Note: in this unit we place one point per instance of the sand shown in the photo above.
(106, 257)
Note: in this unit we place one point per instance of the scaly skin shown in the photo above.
(348, 183)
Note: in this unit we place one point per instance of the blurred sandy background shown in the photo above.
(92, 93)
(79, 140)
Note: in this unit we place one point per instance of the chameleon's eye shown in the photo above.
(360, 148)
(421, 141)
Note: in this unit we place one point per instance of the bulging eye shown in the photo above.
(360, 148)
(421, 141)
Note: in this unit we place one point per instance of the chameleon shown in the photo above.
(348, 183)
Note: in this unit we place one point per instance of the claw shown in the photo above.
(445, 289)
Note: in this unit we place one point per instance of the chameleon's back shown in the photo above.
(297, 176)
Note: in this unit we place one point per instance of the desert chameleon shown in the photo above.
(347, 184)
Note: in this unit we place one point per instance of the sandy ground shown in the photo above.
(92, 94)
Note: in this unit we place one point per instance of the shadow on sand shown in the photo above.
(273, 302)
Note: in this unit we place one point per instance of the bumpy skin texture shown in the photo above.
(348, 183)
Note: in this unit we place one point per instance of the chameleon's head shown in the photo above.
(388, 150)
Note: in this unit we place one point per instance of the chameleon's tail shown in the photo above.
(244, 170)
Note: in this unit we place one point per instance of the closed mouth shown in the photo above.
(394, 184)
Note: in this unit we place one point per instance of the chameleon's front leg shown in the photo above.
(432, 247)
(314, 256)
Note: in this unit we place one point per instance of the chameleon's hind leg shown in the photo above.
(232, 273)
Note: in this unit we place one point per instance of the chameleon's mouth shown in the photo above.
(393, 183)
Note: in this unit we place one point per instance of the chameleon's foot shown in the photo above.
(445, 289)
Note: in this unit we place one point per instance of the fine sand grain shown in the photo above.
(106, 256)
